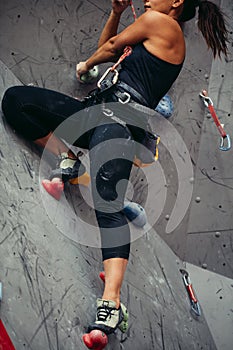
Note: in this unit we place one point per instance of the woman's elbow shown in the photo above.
(114, 47)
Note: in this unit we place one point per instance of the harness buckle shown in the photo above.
(128, 97)
(107, 112)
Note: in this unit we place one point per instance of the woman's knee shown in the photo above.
(116, 252)
(9, 101)
(10, 93)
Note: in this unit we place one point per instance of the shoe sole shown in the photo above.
(124, 325)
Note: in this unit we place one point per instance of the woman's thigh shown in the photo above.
(34, 111)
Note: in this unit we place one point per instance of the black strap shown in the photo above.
(133, 93)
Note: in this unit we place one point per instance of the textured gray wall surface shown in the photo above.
(51, 283)
(214, 174)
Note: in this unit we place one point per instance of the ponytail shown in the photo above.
(211, 23)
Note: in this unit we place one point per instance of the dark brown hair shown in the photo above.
(211, 23)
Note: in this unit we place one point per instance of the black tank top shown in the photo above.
(149, 75)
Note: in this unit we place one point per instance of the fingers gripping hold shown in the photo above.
(119, 6)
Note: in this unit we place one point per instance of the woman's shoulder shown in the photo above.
(165, 38)
(156, 21)
(156, 16)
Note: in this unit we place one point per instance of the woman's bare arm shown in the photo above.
(110, 50)
(160, 34)
(111, 26)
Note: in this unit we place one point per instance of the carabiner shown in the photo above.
(185, 277)
(206, 99)
(228, 143)
(195, 307)
(108, 71)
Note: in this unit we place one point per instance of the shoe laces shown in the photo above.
(103, 312)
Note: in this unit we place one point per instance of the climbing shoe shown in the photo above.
(71, 170)
(109, 318)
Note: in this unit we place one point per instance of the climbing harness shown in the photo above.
(195, 307)
(225, 142)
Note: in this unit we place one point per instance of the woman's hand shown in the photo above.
(118, 6)
(81, 68)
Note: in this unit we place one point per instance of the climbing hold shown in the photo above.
(55, 187)
(90, 76)
(5, 341)
(217, 234)
(198, 199)
(191, 180)
(135, 213)
(102, 276)
(167, 217)
(204, 266)
(165, 106)
(96, 340)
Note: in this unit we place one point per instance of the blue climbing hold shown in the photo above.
(135, 213)
(165, 106)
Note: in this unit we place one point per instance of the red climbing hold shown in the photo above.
(95, 340)
(5, 342)
(55, 187)
(102, 276)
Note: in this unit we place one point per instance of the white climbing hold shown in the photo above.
(90, 76)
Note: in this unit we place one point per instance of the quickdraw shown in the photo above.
(225, 142)
(195, 307)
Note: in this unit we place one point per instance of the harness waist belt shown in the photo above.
(133, 93)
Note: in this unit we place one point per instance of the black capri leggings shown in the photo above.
(34, 112)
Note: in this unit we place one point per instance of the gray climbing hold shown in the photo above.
(165, 106)
(191, 180)
(135, 213)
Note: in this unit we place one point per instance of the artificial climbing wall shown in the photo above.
(214, 174)
(49, 282)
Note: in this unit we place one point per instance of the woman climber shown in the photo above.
(158, 53)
